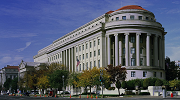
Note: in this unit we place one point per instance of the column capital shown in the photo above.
(138, 33)
(126, 33)
(116, 34)
(148, 34)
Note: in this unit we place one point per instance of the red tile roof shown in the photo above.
(131, 7)
(109, 12)
(11, 67)
(128, 7)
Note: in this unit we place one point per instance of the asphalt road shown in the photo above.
(6, 97)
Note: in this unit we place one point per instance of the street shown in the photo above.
(6, 97)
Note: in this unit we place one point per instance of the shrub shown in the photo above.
(146, 83)
(158, 82)
(130, 85)
(124, 85)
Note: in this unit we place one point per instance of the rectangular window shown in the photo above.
(58, 56)
(87, 65)
(132, 39)
(133, 74)
(90, 44)
(98, 41)
(94, 63)
(83, 47)
(83, 66)
(117, 18)
(94, 43)
(132, 17)
(54, 57)
(123, 50)
(111, 51)
(79, 57)
(86, 46)
(79, 48)
(141, 39)
(133, 50)
(94, 53)
(133, 62)
(99, 63)
(90, 54)
(140, 17)
(98, 51)
(152, 52)
(141, 61)
(90, 65)
(145, 74)
(123, 39)
(161, 74)
(123, 17)
(154, 74)
(124, 61)
(76, 49)
(147, 18)
(83, 56)
(141, 50)
(86, 55)
(48, 59)
(79, 67)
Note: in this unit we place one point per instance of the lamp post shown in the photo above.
(63, 84)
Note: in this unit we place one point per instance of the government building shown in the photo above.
(129, 36)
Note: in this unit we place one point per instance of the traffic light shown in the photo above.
(101, 79)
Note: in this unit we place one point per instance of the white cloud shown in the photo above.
(5, 59)
(22, 49)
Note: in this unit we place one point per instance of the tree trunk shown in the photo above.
(119, 91)
(90, 90)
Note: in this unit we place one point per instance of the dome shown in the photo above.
(131, 7)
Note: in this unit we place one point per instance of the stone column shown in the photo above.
(148, 49)
(116, 49)
(66, 59)
(155, 50)
(137, 48)
(127, 48)
(69, 59)
(109, 50)
(160, 52)
(72, 57)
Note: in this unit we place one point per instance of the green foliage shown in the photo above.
(124, 85)
(7, 84)
(56, 80)
(118, 84)
(107, 85)
(130, 85)
(146, 83)
(14, 84)
(158, 82)
(174, 84)
(171, 70)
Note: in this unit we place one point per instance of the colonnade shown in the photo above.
(154, 55)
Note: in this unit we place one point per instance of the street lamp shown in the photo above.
(63, 84)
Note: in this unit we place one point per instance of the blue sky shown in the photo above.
(27, 26)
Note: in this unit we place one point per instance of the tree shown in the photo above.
(116, 73)
(43, 82)
(124, 85)
(158, 82)
(14, 84)
(171, 69)
(174, 84)
(118, 85)
(7, 84)
(56, 80)
(91, 78)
